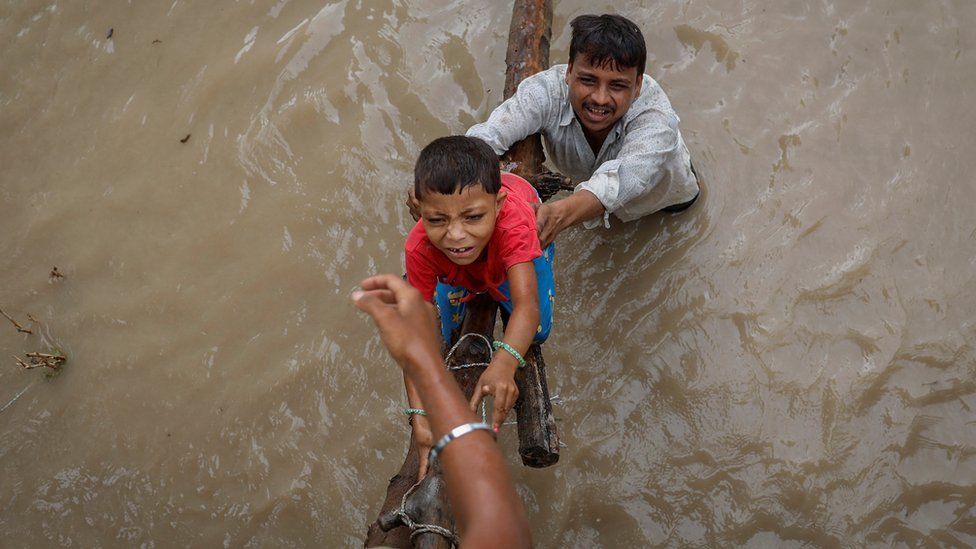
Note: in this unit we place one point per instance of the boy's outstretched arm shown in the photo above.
(499, 379)
(489, 511)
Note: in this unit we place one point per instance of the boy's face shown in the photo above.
(600, 95)
(460, 224)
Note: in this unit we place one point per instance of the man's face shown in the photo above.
(461, 224)
(600, 95)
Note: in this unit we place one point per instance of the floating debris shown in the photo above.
(185, 139)
(42, 360)
(55, 273)
(20, 328)
(157, 41)
(110, 33)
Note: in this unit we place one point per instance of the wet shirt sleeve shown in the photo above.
(526, 112)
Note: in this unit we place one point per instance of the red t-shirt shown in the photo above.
(513, 241)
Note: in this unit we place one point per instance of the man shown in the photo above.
(605, 124)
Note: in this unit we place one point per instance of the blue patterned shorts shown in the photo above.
(452, 310)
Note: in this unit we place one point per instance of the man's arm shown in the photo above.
(650, 140)
(521, 115)
(489, 511)
(552, 218)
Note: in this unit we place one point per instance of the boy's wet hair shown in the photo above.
(608, 40)
(451, 164)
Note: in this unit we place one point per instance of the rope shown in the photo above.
(419, 529)
(491, 353)
(450, 353)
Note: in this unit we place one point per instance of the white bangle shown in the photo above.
(457, 432)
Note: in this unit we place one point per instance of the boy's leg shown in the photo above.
(449, 308)
(547, 292)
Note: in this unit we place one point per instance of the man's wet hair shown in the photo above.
(451, 164)
(608, 40)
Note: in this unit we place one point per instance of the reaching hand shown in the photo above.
(423, 439)
(552, 218)
(406, 322)
(498, 382)
(547, 222)
(413, 204)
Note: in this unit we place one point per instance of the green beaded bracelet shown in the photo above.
(414, 412)
(511, 350)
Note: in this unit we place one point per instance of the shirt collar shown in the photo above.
(567, 115)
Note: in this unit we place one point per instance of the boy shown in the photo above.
(477, 233)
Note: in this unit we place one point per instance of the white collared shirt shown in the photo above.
(642, 167)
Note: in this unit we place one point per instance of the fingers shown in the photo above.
(384, 296)
(400, 288)
(479, 393)
(545, 225)
(504, 401)
(382, 282)
(413, 204)
(371, 302)
(422, 468)
(505, 398)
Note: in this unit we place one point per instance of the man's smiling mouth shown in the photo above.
(597, 113)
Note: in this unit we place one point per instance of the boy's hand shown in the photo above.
(499, 381)
(413, 204)
(406, 322)
(423, 439)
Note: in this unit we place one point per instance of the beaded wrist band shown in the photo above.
(511, 350)
(457, 432)
(414, 412)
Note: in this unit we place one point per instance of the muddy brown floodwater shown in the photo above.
(789, 363)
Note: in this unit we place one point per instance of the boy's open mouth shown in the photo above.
(461, 252)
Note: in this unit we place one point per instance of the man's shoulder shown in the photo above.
(550, 82)
(652, 102)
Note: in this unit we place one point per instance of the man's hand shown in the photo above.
(497, 380)
(406, 322)
(413, 204)
(423, 439)
(552, 218)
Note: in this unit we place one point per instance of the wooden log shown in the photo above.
(529, 36)
(528, 53)
(538, 440)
